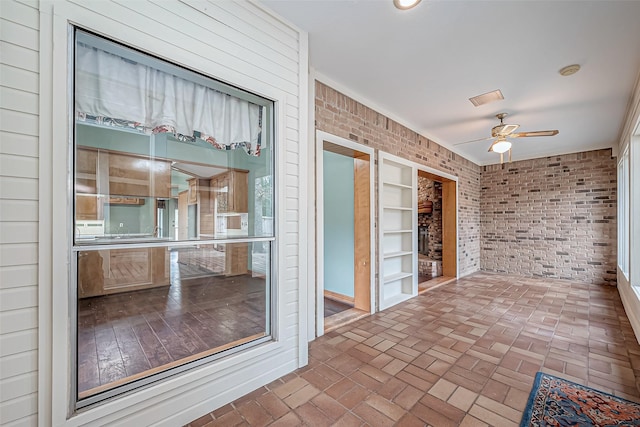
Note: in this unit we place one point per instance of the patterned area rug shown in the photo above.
(557, 402)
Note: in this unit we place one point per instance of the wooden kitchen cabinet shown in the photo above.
(231, 190)
(120, 270)
(131, 175)
(128, 174)
(86, 166)
(230, 194)
(87, 207)
(192, 195)
(86, 184)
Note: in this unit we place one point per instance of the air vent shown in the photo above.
(486, 98)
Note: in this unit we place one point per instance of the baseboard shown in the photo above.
(339, 297)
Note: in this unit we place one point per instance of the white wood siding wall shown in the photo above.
(19, 36)
(238, 42)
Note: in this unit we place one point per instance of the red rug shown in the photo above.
(558, 402)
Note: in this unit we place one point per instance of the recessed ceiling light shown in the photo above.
(486, 98)
(405, 4)
(569, 70)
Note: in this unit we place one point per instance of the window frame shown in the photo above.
(633, 229)
(75, 247)
(623, 212)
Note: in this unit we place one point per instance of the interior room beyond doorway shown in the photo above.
(345, 291)
(437, 263)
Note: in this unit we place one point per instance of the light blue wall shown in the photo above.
(338, 224)
(134, 218)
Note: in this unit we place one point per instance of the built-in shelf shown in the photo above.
(397, 184)
(397, 276)
(398, 240)
(400, 208)
(397, 254)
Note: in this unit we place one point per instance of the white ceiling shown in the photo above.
(422, 65)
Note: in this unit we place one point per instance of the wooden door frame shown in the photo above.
(450, 233)
(349, 148)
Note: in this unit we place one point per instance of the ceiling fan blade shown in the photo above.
(534, 133)
(474, 140)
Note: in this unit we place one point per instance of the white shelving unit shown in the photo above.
(398, 226)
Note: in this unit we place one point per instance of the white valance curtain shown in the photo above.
(110, 88)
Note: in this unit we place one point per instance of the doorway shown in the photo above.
(345, 251)
(437, 230)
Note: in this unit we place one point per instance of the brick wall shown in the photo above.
(551, 217)
(342, 116)
(432, 191)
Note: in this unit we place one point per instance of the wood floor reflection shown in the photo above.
(127, 334)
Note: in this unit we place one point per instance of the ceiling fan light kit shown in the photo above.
(500, 145)
(503, 131)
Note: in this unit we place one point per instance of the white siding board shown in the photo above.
(15, 409)
(17, 298)
(17, 276)
(18, 232)
(19, 386)
(20, 13)
(292, 158)
(19, 210)
(29, 421)
(34, 4)
(18, 34)
(293, 147)
(18, 144)
(17, 122)
(264, 21)
(19, 106)
(18, 56)
(18, 166)
(18, 320)
(18, 100)
(292, 113)
(18, 254)
(18, 364)
(18, 188)
(17, 342)
(191, 44)
(288, 55)
(18, 78)
(230, 39)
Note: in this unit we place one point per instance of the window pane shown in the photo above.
(174, 211)
(149, 182)
(144, 309)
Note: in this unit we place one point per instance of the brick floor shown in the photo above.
(465, 354)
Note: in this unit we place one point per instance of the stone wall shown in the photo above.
(551, 217)
(342, 116)
(432, 191)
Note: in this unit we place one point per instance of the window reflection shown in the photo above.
(174, 214)
(148, 308)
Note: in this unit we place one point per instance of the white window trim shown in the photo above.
(148, 404)
(634, 210)
(623, 212)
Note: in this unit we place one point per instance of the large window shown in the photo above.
(623, 213)
(174, 211)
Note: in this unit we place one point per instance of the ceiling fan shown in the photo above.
(503, 131)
